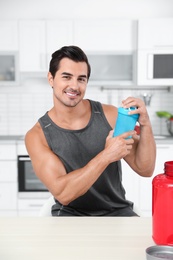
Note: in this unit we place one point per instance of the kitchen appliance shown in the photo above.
(155, 67)
(169, 123)
(9, 68)
(29, 186)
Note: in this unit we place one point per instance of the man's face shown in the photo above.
(70, 82)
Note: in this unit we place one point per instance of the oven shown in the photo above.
(29, 186)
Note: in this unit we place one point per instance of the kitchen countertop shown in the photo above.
(11, 139)
(75, 238)
(163, 139)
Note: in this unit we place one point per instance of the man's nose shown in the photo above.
(74, 83)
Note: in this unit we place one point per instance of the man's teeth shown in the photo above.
(72, 94)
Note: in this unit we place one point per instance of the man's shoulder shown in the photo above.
(109, 108)
(103, 105)
(33, 132)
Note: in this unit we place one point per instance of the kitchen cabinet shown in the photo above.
(105, 35)
(9, 36)
(8, 180)
(29, 203)
(32, 44)
(155, 52)
(11, 204)
(155, 33)
(39, 39)
(30, 207)
(110, 46)
(164, 153)
(139, 189)
(59, 33)
(131, 182)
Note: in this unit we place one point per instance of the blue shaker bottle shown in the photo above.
(125, 122)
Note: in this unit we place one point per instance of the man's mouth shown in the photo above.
(72, 94)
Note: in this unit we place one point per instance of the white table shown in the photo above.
(78, 238)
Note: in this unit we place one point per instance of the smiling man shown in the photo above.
(72, 149)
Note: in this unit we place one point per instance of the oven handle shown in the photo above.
(27, 158)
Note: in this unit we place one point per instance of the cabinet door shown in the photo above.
(59, 33)
(9, 36)
(30, 207)
(105, 35)
(32, 42)
(131, 184)
(155, 33)
(164, 153)
(8, 196)
(8, 171)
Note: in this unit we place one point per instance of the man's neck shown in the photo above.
(71, 117)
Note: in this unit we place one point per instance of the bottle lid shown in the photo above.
(125, 111)
(159, 252)
(168, 168)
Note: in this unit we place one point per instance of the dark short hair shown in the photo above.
(72, 52)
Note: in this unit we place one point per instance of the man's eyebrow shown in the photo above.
(69, 74)
(83, 76)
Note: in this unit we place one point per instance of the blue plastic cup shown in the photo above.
(125, 122)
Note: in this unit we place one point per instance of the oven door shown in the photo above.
(28, 184)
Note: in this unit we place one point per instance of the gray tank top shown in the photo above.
(76, 148)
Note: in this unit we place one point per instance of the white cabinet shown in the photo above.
(110, 46)
(39, 39)
(131, 182)
(9, 36)
(8, 195)
(155, 33)
(59, 33)
(32, 44)
(8, 180)
(105, 35)
(139, 189)
(164, 153)
(30, 207)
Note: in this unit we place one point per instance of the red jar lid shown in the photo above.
(169, 168)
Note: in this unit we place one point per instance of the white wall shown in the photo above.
(56, 9)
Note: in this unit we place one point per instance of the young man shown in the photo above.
(72, 149)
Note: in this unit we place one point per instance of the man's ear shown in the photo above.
(50, 79)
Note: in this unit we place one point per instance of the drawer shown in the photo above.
(30, 204)
(8, 171)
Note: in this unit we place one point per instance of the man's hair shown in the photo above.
(71, 52)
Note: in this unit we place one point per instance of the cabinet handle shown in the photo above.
(42, 61)
(35, 205)
(163, 46)
(163, 147)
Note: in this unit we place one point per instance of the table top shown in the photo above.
(79, 238)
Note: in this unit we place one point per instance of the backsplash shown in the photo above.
(21, 106)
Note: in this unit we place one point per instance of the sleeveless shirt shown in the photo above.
(75, 148)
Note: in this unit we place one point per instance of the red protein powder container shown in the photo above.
(162, 206)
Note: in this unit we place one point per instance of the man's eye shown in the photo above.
(66, 77)
(82, 79)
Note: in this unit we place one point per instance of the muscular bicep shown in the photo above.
(47, 166)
